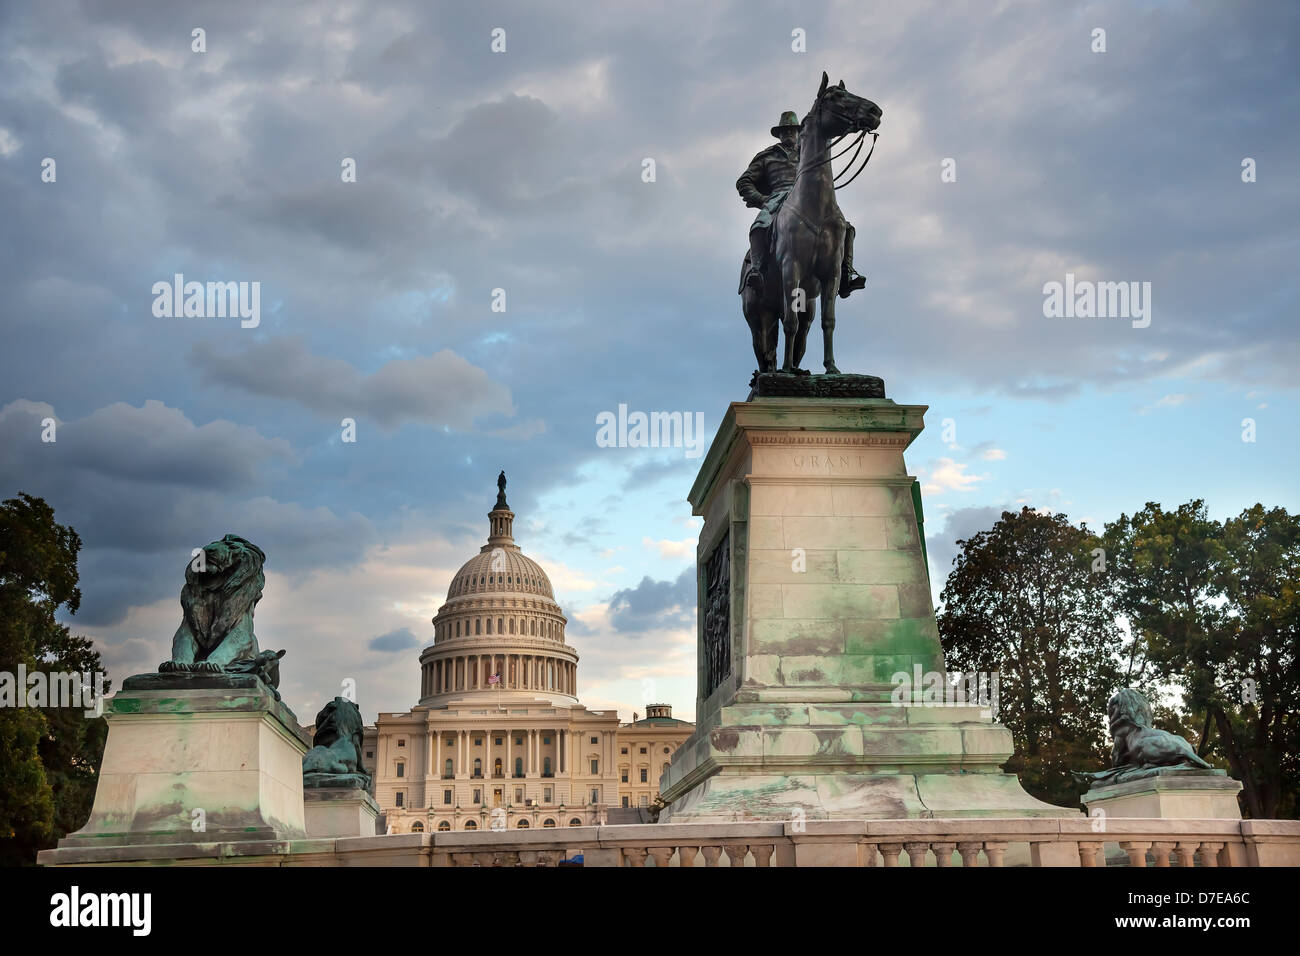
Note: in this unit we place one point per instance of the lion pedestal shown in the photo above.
(1169, 794)
(193, 758)
(338, 812)
(814, 599)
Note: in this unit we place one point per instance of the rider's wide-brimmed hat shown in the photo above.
(788, 119)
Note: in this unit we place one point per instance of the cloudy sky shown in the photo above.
(522, 171)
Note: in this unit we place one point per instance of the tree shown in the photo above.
(49, 757)
(1217, 608)
(1023, 599)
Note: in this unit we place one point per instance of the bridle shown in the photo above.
(821, 105)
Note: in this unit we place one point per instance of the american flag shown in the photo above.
(494, 678)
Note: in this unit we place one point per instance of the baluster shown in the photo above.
(1088, 853)
(1136, 850)
(687, 854)
(736, 853)
(891, 852)
(995, 852)
(970, 853)
(661, 855)
(462, 859)
(943, 853)
(763, 854)
(635, 856)
(1186, 853)
(1161, 852)
(711, 854)
(484, 859)
(1210, 854)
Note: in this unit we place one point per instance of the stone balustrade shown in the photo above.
(1022, 841)
(938, 842)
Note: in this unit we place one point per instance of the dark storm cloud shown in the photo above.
(399, 640)
(654, 604)
(144, 486)
(440, 389)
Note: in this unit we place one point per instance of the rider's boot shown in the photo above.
(757, 252)
(850, 281)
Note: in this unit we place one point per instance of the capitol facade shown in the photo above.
(499, 737)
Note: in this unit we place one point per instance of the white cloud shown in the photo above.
(948, 475)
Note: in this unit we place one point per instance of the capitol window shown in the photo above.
(548, 823)
(575, 822)
(444, 826)
(471, 825)
(645, 775)
(401, 769)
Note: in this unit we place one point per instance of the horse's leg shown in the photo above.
(828, 325)
(754, 310)
(805, 323)
(794, 304)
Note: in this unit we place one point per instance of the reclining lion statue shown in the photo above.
(216, 630)
(1142, 750)
(335, 757)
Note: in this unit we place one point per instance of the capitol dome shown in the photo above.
(500, 620)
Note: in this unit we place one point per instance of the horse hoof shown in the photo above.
(831, 369)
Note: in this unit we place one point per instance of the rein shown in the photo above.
(875, 136)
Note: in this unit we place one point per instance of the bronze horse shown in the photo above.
(808, 245)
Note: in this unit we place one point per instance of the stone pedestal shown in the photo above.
(198, 758)
(339, 812)
(813, 595)
(1170, 795)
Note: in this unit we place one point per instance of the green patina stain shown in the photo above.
(920, 527)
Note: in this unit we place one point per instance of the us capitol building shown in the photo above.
(499, 736)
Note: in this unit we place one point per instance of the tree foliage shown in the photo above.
(49, 757)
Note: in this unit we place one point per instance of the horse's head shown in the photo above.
(837, 112)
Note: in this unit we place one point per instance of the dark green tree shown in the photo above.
(1030, 600)
(49, 757)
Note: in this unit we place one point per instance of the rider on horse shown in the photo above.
(764, 185)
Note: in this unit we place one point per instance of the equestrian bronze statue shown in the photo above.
(801, 246)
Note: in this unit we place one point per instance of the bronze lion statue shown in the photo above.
(335, 757)
(1141, 749)
(217, 601)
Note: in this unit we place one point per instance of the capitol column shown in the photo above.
(437, 759)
